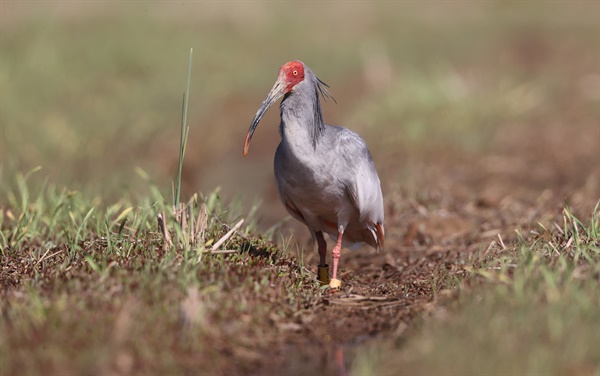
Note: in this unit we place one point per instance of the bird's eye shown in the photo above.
(295, 72)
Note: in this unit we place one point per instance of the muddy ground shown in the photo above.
(452, 208)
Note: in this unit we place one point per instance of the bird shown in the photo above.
(325, 174)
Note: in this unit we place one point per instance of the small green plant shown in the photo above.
(192, 218)
(185, 130)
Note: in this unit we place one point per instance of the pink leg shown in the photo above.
(339, 361)
(336, 252)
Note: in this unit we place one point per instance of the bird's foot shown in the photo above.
(335, 283)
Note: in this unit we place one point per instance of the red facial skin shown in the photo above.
(292, 73)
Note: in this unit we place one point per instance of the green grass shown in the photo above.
(529, 309)
(92, 285)
(96, 279)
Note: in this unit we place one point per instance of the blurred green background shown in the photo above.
(91, 90)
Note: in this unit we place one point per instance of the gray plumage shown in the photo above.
(325, 174)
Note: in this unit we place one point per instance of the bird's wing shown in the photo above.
(362, 182)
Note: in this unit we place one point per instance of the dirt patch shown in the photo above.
(473, 205)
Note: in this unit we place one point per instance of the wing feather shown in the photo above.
(362, 184)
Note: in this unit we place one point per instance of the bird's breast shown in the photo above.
(308, 180)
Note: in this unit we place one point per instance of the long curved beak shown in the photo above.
(276, 92)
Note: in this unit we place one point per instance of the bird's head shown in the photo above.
(290, 75)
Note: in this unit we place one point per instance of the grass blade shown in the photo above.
(184, 133)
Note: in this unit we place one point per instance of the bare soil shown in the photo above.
(456, 209)
(445, 208)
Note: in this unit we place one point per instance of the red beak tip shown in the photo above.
(247, 144)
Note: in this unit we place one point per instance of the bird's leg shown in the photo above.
(323, 267)
(337, 251)
(322, 248)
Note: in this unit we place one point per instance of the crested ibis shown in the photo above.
(325, 174)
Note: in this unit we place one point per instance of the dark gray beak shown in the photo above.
(276, 92)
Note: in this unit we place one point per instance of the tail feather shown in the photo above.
(380, 235)
(370, 234)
